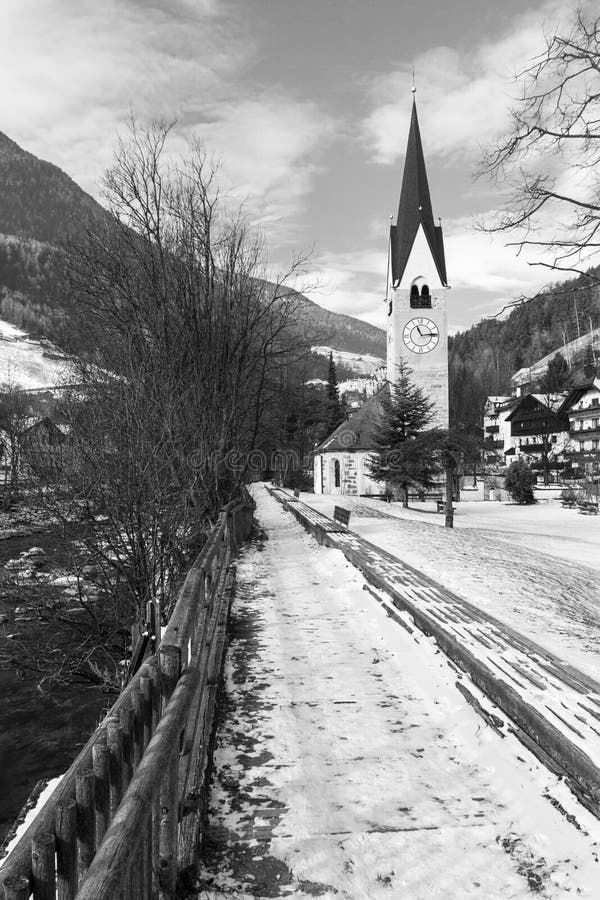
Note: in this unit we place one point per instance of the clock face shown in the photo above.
(421, 335)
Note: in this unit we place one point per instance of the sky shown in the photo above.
(306, 105)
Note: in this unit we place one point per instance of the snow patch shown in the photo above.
(361, 363)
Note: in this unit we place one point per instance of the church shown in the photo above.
(417, 329)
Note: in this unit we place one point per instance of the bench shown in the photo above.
(588, 508)
(569, 502)
(341, 515)
(386, 497)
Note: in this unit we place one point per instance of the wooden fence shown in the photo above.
(125, 819)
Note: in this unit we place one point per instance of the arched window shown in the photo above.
(420, 298)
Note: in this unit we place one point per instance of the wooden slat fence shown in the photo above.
(125, 819)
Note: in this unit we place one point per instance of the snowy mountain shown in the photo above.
(363, 364)
(29, 364)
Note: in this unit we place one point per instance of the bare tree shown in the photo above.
(14, 419)
(187, 339)
(550, 156)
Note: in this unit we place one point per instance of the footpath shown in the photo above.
(354, 759)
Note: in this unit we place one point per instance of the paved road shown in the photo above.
(348, 764)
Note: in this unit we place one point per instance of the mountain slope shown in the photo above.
(40, 206)
(484, 357)
(38, 200)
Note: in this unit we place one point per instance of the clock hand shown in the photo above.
(420, 332)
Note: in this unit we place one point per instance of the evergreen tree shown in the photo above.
(520, 481)
(557, 377)
(407, 453)
(589, 362)
(335, 410)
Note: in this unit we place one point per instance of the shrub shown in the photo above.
(520, 481)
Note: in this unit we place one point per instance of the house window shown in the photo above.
(336, 472)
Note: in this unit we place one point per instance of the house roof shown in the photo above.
(415, 209)
(536, 403)
(356, 433)
(577, 392)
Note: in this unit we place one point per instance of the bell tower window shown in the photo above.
(420, 298)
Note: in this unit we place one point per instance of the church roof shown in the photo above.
(356, 433)
(415, 209)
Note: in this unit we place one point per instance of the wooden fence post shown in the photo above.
(66, 850)
(146, 709)
(86, 826)
(138, 727)
(114, 738)
(100, 764)
(17, 887)
(127, 719)
(43, 871)
(153, 624)
(169, 658)
(168, 822)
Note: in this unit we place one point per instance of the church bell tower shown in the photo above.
(417, 331)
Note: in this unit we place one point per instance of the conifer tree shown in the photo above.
(407, 452)
(335, 410)
(557, 376)
(589, 362)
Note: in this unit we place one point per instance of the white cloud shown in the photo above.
(465, 94)
(268, 145)
(73, 72)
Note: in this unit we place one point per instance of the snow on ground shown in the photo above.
(24, 363)
(361, 363)
(349, 765)
(32, 812)
(534, 567)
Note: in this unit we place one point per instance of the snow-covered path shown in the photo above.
(348, 764)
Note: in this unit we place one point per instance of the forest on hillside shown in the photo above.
(483, 358)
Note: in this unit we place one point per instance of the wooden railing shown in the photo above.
(125, 818)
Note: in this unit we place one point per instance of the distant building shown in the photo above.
(417, 332)
(341, 460)
(496, 429)
(582, 408)
(417, 285)
(532, 426)
(44, 444)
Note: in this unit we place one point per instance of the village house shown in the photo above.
(44, 444)
(582, 408)
(341, 460)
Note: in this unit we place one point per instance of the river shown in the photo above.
(40, 734)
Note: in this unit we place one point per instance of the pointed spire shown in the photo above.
(415, 207)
